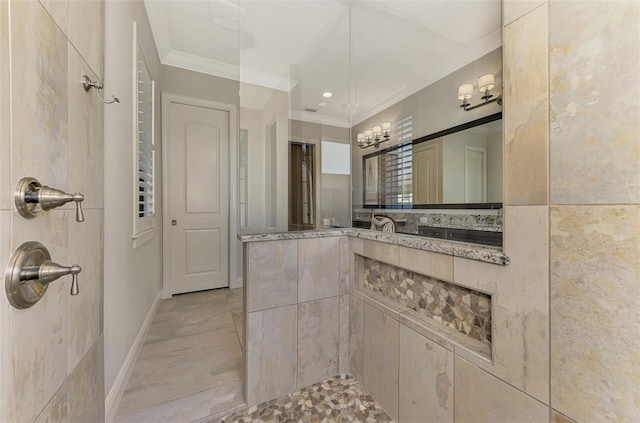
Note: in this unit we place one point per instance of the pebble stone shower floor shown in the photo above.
(339, 399)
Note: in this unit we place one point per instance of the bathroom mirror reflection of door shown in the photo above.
(302, 186)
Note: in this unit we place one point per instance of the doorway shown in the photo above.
(302, 186)
(198, 218)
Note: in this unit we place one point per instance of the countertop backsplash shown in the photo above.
(479, 222)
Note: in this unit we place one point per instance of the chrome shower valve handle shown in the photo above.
(30, 271)
(31, 197)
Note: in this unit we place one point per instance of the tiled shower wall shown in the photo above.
(572, 170)
(51, 355)
(594, 216)
(566, 317)
(296, 314)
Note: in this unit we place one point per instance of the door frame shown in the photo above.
(167, 99)
(317, 174)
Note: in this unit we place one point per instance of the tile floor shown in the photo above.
(190, 365)
(338, 399)
(190, 370)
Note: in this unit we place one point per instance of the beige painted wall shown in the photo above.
(133, 277)
(51, 362)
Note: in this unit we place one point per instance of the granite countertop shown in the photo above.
(453, 248)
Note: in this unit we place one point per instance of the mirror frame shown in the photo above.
(458, 128)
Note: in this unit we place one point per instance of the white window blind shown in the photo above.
(145, 139)
(395, 168)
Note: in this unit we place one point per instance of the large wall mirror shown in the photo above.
(459, 167)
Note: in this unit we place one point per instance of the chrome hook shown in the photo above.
(87, 84)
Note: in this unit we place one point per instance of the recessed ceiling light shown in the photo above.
(322, 104)
(327, 94)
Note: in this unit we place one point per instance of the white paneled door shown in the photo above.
(198, 197)
(475, 175)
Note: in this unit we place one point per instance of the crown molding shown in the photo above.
(201, 64)
(319, 118)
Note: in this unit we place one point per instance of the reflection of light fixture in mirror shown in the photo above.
(485, 84)
(374, 137)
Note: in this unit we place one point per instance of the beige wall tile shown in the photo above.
(86, 32)
(39, 334)
(387, 253)
(271, 353)
(431, 331)
(318, 332)
(85, 249)
(520, 301)
(357, 245)
(427, 263)
(56, 410)
(381, 338)
(595, 102)
(515, 9)
(85, 388)
(5, 328)
(59, 11)
(345, 265)
(595, 337)
(272, 274)
(356, 337)
(318, 268)
(343, 340)
(559, 418)
(426, 379)
(86, 157)
(5, 111)
(526, 108)
(40, 107)
(483, 398)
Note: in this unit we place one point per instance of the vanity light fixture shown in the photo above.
(374, 137)
(486, 83)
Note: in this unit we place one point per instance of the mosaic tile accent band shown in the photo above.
(456, 307)
(479, 222)
(339, 399)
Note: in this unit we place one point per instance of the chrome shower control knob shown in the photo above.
(31, 197)
(30, 271)
(50, 271)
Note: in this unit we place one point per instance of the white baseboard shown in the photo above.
(119, 385)
(237, 283)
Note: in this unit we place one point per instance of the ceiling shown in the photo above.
(368, 54)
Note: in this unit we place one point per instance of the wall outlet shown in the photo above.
(424, 219)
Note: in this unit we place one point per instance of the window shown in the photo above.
(144, 145)
(388, 175)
